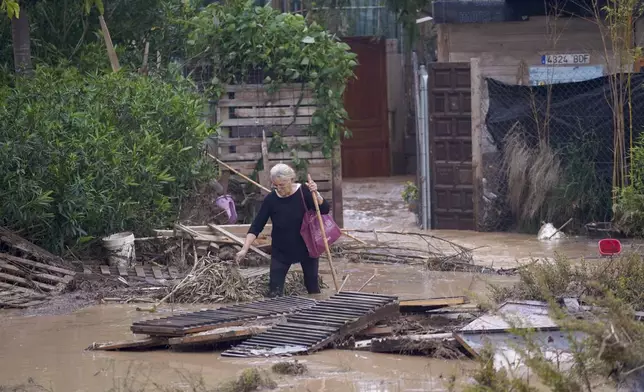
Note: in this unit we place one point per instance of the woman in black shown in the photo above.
(285, 206)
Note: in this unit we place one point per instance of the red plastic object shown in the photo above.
(610, 247)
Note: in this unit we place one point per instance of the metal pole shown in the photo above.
(419, 141)
(423, 150)
(424, 78)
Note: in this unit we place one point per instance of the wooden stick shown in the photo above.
(354, 238)
(238, 240)
(111, 53)
(367, 282)
(346, 278)
(260, 186)
(264, 175)
(560, 228)
(326, 244)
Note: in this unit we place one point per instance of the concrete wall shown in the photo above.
(506, 50)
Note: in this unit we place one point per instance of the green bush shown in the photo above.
(82, 156)
(561, 277)
(629, 208)
(242, 41)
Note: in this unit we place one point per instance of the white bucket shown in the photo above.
(120, 249)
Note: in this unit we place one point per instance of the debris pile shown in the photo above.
(29, 275)
(412, 248)
(214, 281)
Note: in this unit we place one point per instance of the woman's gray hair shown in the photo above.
(282, 170)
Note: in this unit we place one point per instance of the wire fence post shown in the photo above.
(424, 131)
(419, 141)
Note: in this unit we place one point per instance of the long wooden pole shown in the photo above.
(111, 53)
(260, 186)
(326, 244)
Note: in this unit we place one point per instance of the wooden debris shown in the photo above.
(314, 328)
(27, 248)
(47, 267)
(238, 240)
(229, 316)
(440, 345)
(376, 331)
(139, 344)
(218, 335)
(146, 272)
(424, 305)
(423, 249)
(10, 298)
(21, 274)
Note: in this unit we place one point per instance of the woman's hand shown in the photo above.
(313, 187)
(241, 254)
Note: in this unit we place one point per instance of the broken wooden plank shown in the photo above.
(193, 233)
(36, 264)
(122, 270)
(147, 343)
(47, 278)
(377, 331)
(139, 271)
(229, 316)
(15, 241)
(314, 328)
(22, 305)
(105, 270)
(239, 230)
(238, 240)
(28, 283)
(30, 292)
(156, 271)
(408, 344)
(218, 335)
(171, 233)
(423, 305)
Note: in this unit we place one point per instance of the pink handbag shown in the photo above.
(311, 233)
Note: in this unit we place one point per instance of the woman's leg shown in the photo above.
(277, 277)
(310, 269)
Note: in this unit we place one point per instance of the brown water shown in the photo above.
(50, 349)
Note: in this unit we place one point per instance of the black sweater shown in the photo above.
(286, 214)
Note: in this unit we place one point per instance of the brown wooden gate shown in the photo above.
(450, 139)
(366, 152)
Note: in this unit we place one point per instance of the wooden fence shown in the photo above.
(244, 112)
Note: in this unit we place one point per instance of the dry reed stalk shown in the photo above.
(532, 172)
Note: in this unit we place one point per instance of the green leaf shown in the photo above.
(308, 40)
(12, 8)
(305, 61)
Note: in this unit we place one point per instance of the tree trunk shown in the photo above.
(20, 36)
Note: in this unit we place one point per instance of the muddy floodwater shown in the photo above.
(51, 349)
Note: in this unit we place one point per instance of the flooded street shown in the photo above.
(50, 349)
